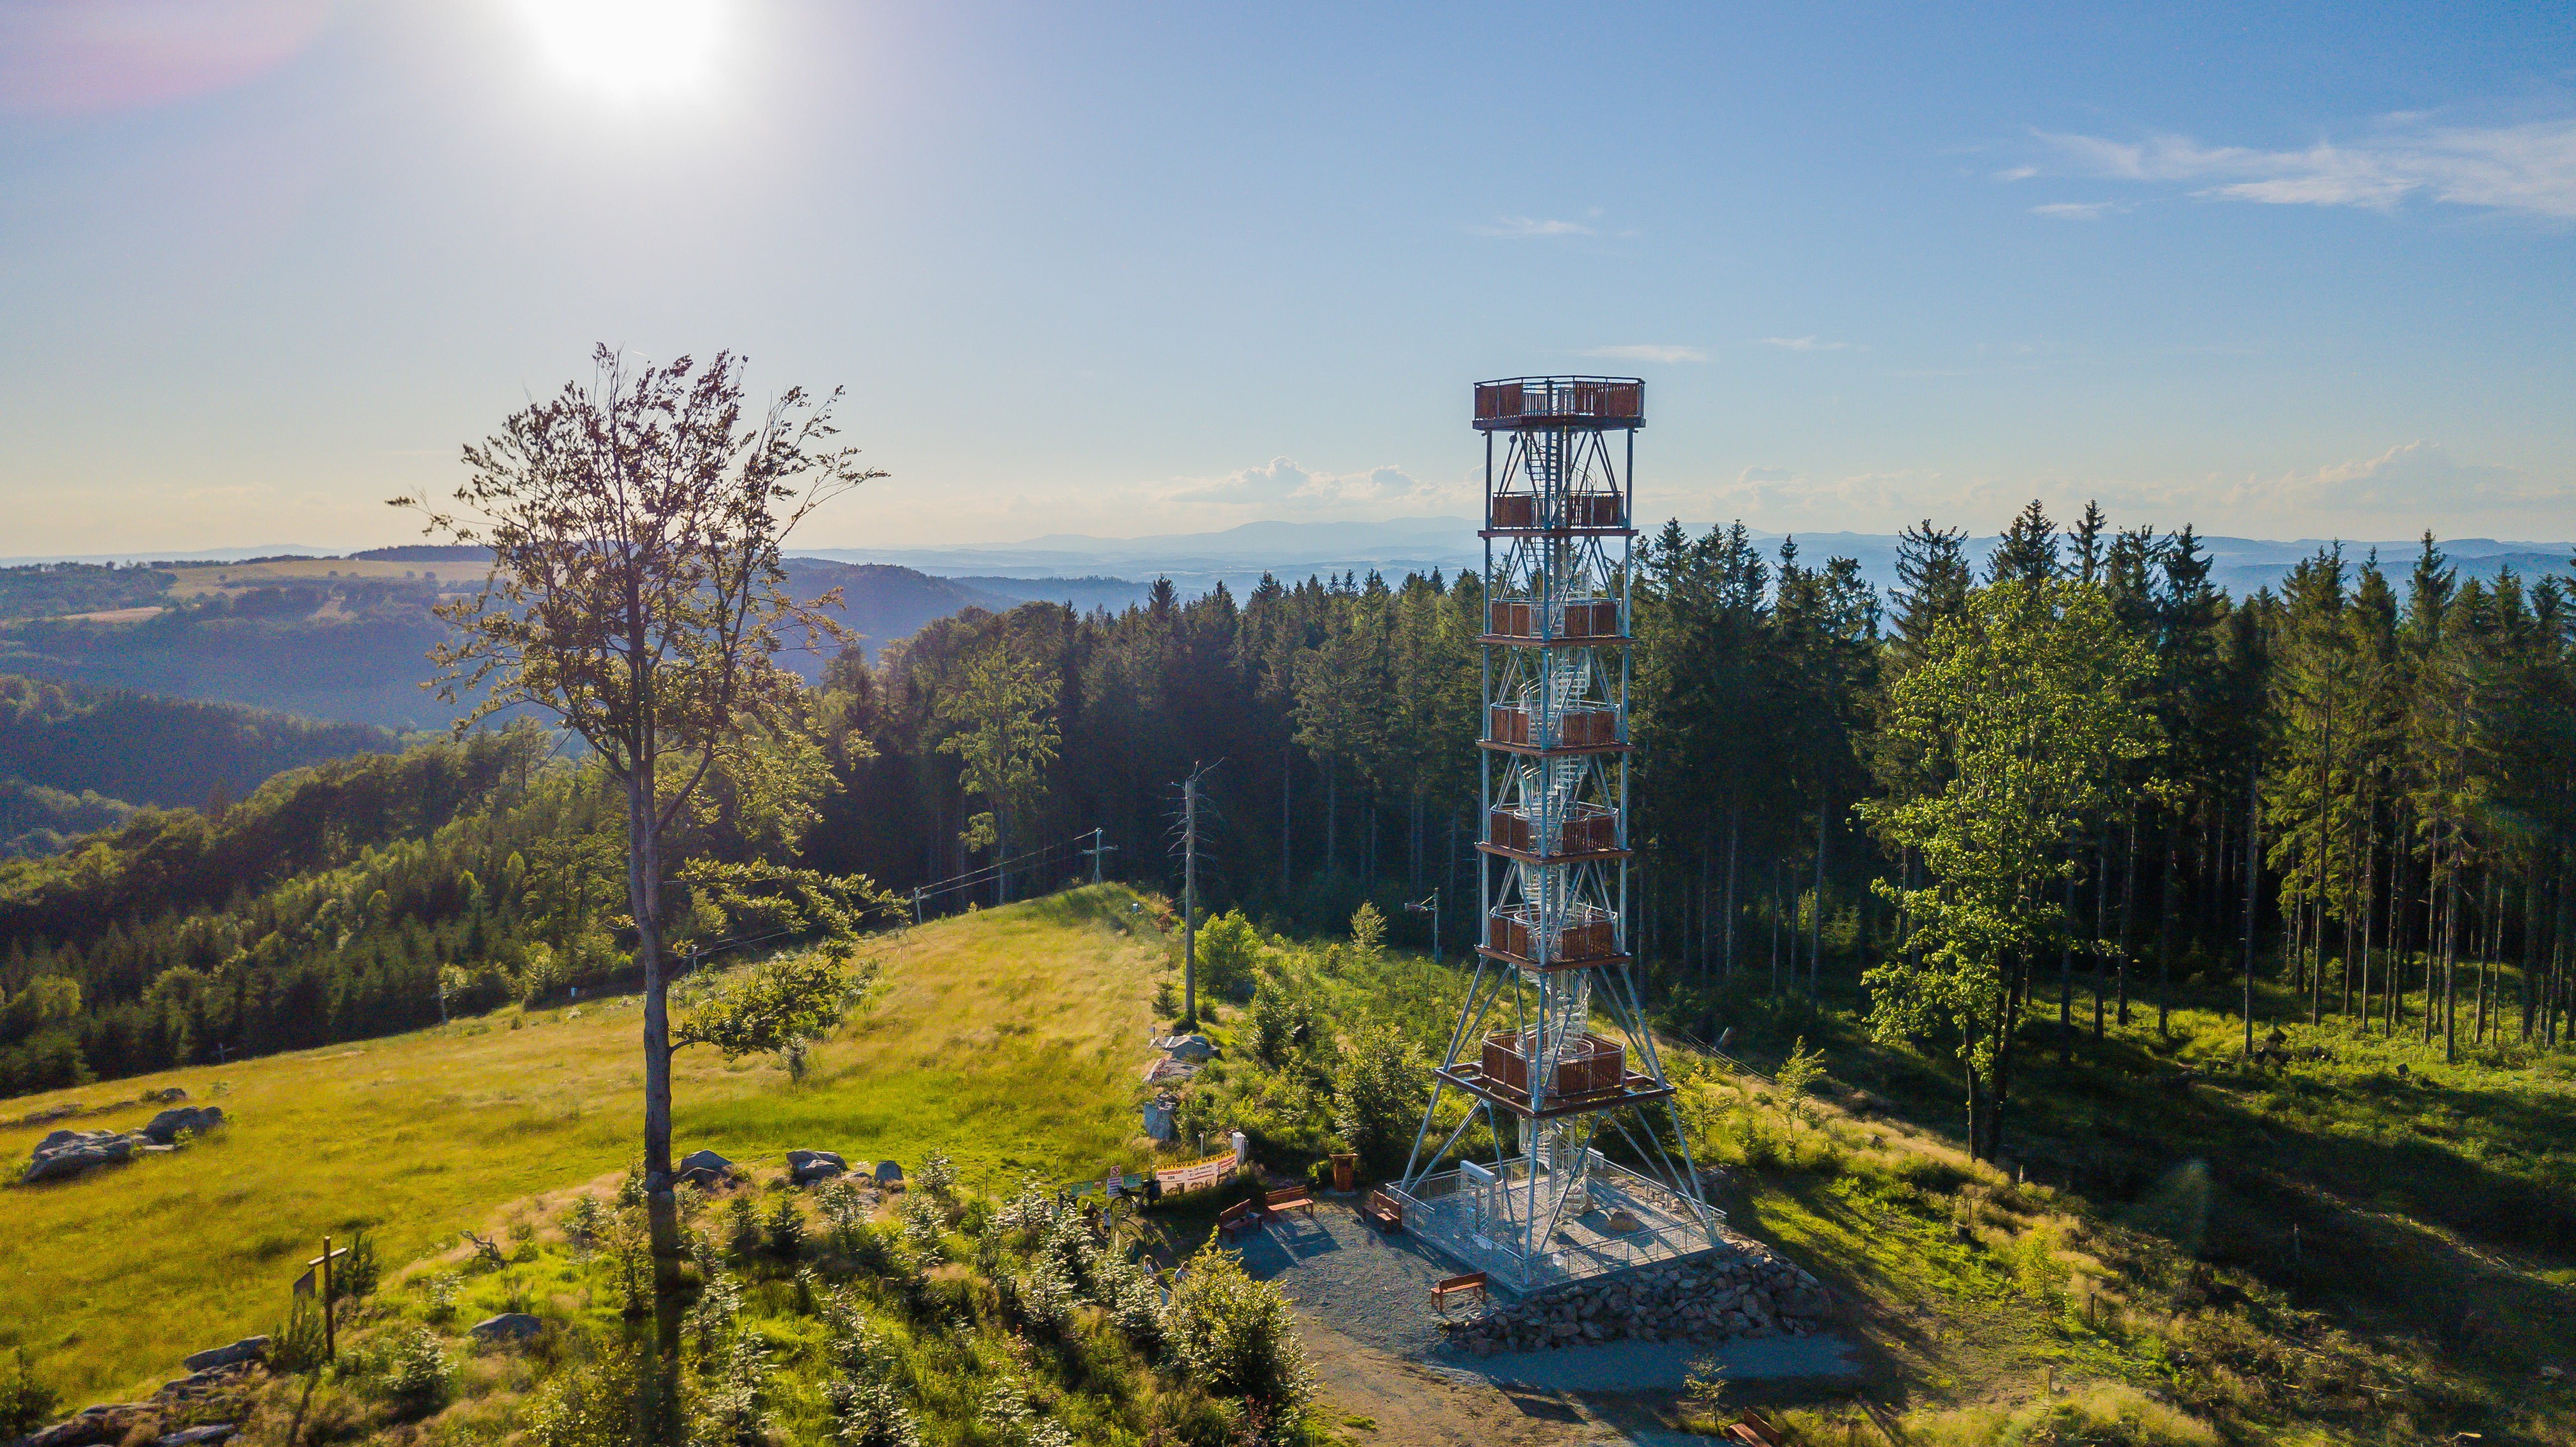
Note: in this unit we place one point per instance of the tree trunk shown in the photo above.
(658, 1388)
(2451, 961)
(1287, 837)
(2164, 928)
(2253, 884)
(1816, 929)
(2128, 903)
(2066, 973)
(1734, 838)
(2101, 926)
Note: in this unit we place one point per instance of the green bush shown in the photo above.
(742, 1226)
(354, 1276)
(589, 1404)
(784, 1228)
(416, 1374)
(297, 1345)
(25, 1403)
(1379, 1094)
(1235, 1338)
(1228, 946)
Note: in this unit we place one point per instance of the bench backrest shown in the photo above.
(1235, 1212)
(1461, 1283)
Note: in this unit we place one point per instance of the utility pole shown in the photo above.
(1190, 897)
(1190, 793)
(1430, 905)
(1097, 850)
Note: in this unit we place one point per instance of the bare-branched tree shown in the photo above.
(637, 593)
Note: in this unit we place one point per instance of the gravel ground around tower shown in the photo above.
(1376, 1289)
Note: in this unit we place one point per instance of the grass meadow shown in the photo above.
(1010, 1038)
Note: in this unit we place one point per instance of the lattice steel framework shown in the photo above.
(1552, 865)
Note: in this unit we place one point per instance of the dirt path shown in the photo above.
(1408, 1405)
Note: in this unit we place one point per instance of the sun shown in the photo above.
(628, 47)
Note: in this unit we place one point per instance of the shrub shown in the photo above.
(1368, 933)
(439, 1295)
(742, 1226)
(938, 1178)
(581, 1225)
(1380, 1092)
(297, 1345)
(354, 1276)
(1283, 1016)
(784, 1227)
(416, 1373)
(920, 1222)
(590, 1404)
(1228, 947)
(1235, 1338)
(729, 1406)
(25, 1403)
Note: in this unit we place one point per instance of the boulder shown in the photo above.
(701, 1177)
(211, 1433)
(889, 1176)
(248, 1349)
(1186, 1047)
(93, 1427)
(67, 1153)
(166, 1126)
(165, 1096)
(706, 1160)
(807, 1167)
(508, 1326)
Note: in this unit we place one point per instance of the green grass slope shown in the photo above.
(1009, 1038)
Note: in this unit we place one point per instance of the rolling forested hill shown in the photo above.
(166, 752)
(338, 638)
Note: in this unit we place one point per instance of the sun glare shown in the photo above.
(628, 47)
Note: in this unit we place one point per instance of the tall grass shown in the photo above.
(1010, 1038)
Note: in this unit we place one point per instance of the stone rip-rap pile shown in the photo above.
(1744, 1292)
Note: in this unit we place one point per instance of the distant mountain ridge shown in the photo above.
(1291, 551)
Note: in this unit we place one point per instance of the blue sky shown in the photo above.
(1125, 270)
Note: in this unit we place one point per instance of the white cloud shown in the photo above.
(2528, 169)
(2017, 173)
(2409, 479)
(1531, 226)
(1646, 352)
(1281, 483)
(1803, 344)
(2077, 210)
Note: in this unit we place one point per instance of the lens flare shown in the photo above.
(628, 47)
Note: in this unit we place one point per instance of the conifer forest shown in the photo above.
(1994, 808)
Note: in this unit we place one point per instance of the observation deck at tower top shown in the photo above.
(1522, 403)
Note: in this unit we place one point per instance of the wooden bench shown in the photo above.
(1382, 1212)
(1752, 1430)
(1294, 1198)
(1241, 1216)
(1448, 1287)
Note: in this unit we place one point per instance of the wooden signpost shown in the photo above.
(304, 1287)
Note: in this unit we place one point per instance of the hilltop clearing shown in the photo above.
(1008, 1038)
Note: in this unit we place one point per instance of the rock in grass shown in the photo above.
(212, 1432)
(166, 1126)
(67, 1153)
(889, 1176)
(93, 1427)
(807, 1167)
(508, 1326)
(248, 1349)
(706, 1161)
